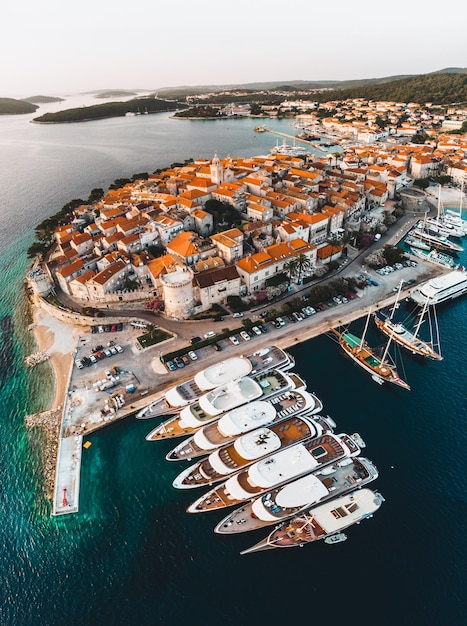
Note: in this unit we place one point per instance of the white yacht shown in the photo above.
(210, 406)
(280, 468)
(300, 495)
(243, 419)
(214, 376)
(323, 521)
(441, 259)
(247, 449)
(442, 288)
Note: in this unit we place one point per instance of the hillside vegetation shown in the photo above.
(10, 106)
(108, 109)
(437, 88)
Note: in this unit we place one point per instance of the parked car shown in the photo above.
(218, 319)
(264, 314)
(179, 362)
(280, 320)
(79, 364)
(210, 334)
(107, 352)
(119, 327)
(234, 340)
(100, 329)
(237, 314)
(193, 356)
(217, 347)
(263, 328)
(93, 329)
(185, 359)
(100, 355)
(113, 350)
(171, 366)
(113, 328)
(118, 348)
(256, 330)
(195, 340)
(244, 335)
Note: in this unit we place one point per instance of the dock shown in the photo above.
(316, 146)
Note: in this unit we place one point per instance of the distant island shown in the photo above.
(136, 106)
(10, 106)
(42, 99)
(115, 93)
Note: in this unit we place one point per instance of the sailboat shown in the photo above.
(439, 226)
(454, 217)
(407, 339)
(381, 368)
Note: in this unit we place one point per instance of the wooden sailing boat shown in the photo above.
(380, 368)
(404, 337)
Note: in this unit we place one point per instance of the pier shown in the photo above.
(316, 146)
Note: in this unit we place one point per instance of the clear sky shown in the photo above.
(56, 48)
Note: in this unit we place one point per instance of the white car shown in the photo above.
(118, 348)
(256, 330)
(193, 356)
(280, 320)
(237, 315)
(234, 340)
(244, 335)
(210, 334)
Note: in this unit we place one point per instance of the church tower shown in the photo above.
(217, 173)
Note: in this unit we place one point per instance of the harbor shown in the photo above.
(81, 415)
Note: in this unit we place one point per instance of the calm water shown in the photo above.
(132, 555)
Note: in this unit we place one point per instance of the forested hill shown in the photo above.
(109, 109)
(436, 88)
(10, 106)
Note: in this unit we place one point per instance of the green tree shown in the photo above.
(303, 265)
(291, 268)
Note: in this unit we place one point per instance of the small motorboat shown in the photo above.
(337, 538)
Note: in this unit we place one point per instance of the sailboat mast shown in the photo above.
(396, 300)
(420, 319)
(365, 329)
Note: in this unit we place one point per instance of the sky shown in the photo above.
(56, 48)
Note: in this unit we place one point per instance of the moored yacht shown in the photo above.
(214, 376)
(247, 449)
(324, 520)
(280, 468)
(436, 241)
(381, 368)
(409, 340)
(436, 258)
(441, 288)
(243, 419)
(300, 495)
(213, 404)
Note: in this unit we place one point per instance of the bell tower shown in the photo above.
(217, 173)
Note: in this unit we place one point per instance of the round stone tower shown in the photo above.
(40, 282)
(178, 293)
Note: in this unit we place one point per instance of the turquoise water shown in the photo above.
(132, 556)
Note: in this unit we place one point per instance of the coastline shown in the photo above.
(59, 340)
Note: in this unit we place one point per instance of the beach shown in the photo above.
(58, 339)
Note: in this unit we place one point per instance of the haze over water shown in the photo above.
(132, 556)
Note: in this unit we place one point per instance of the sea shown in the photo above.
(132, 556)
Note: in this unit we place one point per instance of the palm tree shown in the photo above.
(291, 267)
(303, 264)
